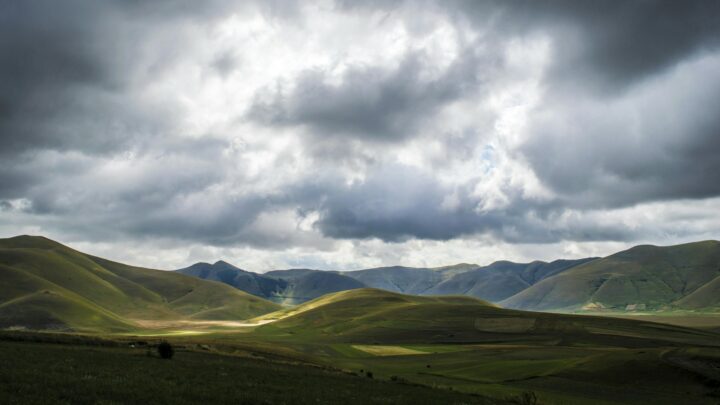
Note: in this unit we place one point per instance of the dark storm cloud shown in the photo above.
(657, 141)
(375, 103)
(72, 72)
(398, 203)
(619, 42)
(629, 113)
(176, 194)
(60, 78)
(606, 44)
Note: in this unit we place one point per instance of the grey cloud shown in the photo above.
(618, 43)
(658, 141)
(604, 45)
(225, 63)
(70, 72)
(398, 203)
(179, 196)
(187, 198)
(374, 103)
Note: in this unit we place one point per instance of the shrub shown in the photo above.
(526, 398)
(398, 379)
(369, 374)
(165, 350)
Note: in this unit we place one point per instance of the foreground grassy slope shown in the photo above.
(644, 277)
(46, 285)
(92, 375)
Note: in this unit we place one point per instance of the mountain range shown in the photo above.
(643, 278)
(46, 285)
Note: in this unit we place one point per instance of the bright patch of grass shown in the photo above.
(377, 350)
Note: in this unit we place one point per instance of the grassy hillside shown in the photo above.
(502, 279)
(371, 315)
(644, 277)
(46, 285)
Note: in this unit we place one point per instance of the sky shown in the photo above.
(345, 134)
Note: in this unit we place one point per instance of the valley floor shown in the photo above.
(220, 366)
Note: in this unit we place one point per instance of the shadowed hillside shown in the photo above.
(253, 283)
(502, 279)
(288, 287)
(408, 280)
(494, 282)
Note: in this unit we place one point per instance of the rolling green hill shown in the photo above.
(46, 285)
(641, 278)
(370, 315)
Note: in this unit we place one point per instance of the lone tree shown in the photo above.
(165, 350)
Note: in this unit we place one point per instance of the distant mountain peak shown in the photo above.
(224, 264)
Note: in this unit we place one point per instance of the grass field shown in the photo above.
(387, 350)
(41, 373)
(234, 368)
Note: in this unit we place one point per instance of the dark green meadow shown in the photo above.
(557, 374)
(73, 373)
(668, 365)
